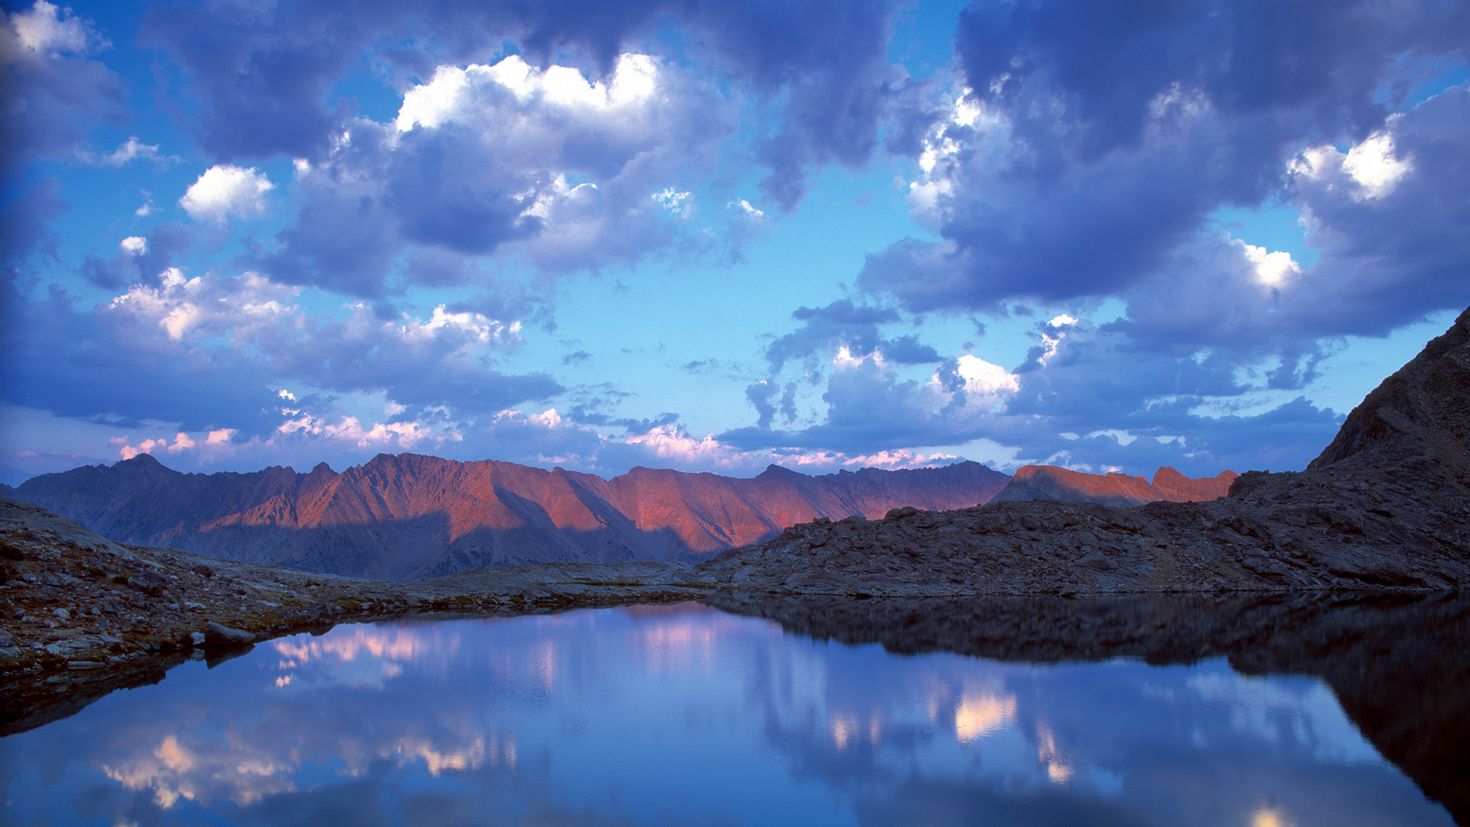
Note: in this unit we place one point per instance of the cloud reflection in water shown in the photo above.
(685, 714)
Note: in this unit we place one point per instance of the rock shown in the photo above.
(148, 583)
(202, 570)
(196, 639)
(319, 613)
(83, 665)
(1096, 562)
(217, 634)
(61, 614)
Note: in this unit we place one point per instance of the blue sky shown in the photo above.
(714, 236)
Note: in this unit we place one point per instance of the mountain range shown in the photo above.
(409, 515)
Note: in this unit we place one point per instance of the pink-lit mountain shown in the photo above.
(409, 515)
(1047, 482)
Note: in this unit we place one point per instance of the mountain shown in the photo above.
(1048, 482)
(407, 515)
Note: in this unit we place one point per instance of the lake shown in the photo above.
(686, 714)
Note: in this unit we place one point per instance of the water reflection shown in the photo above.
(690, 715)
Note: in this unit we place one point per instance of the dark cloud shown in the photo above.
(54, 93)
(264, 76)
(164, 247)
(824, 329)
(483, 167)
(1387, 254)
(827, 58)
(1100, 136)
(76, 364)
(25, 222)
(1388, 259)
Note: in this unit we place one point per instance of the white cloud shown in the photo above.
(134, 245)
(130, 150)
(476, 327)
(212, 442)
(749, 210)
(958, 128)
(672, 443)
(210, 304)
(448, 96)
(226, 190)
(845, 359)
(675, 201)
(1372, 165)
(349, 429)
(1273, 268)
(220, 436)
(983, 378)
(48, 30)
(1052, 334)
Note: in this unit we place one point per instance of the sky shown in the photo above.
(715, 236)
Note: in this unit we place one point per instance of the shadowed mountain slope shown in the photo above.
(1048, 482)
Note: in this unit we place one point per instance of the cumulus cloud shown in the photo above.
(262, 80)
(225, 190)
(553, 165)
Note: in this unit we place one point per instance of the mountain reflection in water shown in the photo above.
(687, 714)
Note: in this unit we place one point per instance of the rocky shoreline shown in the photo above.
(85, 615)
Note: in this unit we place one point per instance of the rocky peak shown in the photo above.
(1427, 399)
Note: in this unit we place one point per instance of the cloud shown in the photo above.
(234, 341)
(550, 166)
(870, 405)
(54, 94)
(848, 324)
(25, 223)
(1386, 256)
(225, 190)
(1086, 396)
(130, 150)
(1088, 128)
(262, 80)
(47, 30)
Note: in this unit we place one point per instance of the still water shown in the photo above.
(687, 715)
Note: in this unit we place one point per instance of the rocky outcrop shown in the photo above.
(1048, 482)
(405, 516)
(1386, 506)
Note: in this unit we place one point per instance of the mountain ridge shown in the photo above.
(409, 515)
